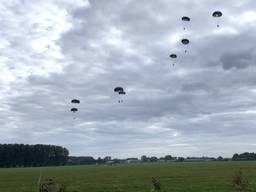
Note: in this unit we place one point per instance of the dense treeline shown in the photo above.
(20, 155)
(244, 157)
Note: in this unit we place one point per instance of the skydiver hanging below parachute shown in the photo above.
(74, 110)
(185, 22)
(173, 56)
(217, 15)
(120, 91)
(185, 42)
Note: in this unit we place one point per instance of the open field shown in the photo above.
(194, 177)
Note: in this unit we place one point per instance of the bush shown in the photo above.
(156, 185)
(50, 186)
(240, 182)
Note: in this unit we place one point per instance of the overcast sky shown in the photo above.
(52, 51)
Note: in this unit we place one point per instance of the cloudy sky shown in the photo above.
(52, 51)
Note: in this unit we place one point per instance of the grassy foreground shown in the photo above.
(192, 177)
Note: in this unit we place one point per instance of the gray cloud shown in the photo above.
(237, 60)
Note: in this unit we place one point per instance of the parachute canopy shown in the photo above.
(119, 89)
(122, 93)
(75, 101)
(174, 56)
(185, 41)
(185, 18)
(73, 110)
(217, 14)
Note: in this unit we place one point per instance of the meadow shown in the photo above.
(180, 177)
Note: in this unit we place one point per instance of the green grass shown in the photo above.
(187, 177)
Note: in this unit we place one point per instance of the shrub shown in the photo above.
(50, 186)
(240, 182)
(156, 184)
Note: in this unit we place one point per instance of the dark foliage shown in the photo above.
(244, 157)
(240, 182)
(20, 155)
(156, 184)
(51, 186)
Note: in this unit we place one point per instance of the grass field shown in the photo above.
(189, 177)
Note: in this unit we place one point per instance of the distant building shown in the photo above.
(133, 160)
(171, 161)
(110, 162)
(161, 161)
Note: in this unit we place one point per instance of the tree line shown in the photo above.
(83, 160)
(20, 155)
(244, 157)
(87, 160)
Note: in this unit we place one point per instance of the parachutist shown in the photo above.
(217, 14)
(186, 20)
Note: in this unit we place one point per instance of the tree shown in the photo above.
(107, 158)
(153, 159)
(100, 161)
(235, 157)
(168, 157)
(144, 158)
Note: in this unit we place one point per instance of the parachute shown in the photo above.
(122, 93)
(118, 89)
(73, 110)
(217, 14)
(185, 41)
(75, 101)
(174, 56)
(185, 18)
